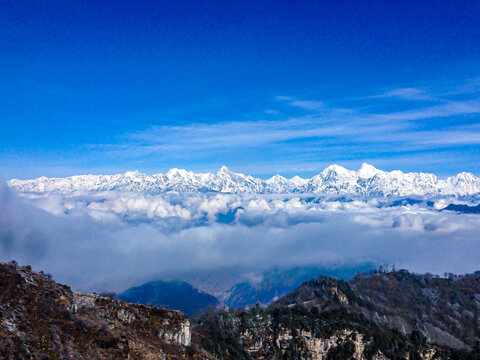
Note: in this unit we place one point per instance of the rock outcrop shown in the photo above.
(40, 319)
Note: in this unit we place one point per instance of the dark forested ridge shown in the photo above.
(444, 309)
(382, 315)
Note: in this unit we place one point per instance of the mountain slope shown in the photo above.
(177, 295)
(40, 319)
(322, 319)
(444, 310)
(334, 180)
(327, 318)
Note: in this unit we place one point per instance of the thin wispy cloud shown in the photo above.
(295, 135)
(320, 133)
(233, 134)
(452, 108)
(406, 94)
(312, 105)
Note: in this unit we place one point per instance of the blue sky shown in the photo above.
(262, 87)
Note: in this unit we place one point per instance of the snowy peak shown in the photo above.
(133, 174)
(333, 180)
(336, 169)
(276, 179)
(298, 181)
(224, 170)
(368, 171)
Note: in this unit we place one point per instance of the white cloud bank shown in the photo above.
(112, 240)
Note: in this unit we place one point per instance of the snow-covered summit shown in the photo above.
(333, 180)
(368, 171)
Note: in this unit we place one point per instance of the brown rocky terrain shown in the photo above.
(40, 319)
(323, 319)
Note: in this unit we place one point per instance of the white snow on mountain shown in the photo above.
(334, 180)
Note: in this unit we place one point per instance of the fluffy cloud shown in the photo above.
(112, 240)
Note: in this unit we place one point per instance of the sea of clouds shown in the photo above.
(113, 240)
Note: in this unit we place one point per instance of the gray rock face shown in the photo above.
(171, 326)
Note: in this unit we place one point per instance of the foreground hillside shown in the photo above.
(40, 319)
(321, 319)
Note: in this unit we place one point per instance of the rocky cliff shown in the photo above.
(40, 319)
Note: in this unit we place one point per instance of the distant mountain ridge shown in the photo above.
(463, 208)
(276, 284)
(333, 180)
(176, 295)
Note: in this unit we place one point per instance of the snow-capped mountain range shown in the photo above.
(334, 180)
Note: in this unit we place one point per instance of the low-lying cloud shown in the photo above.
(112, 240)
